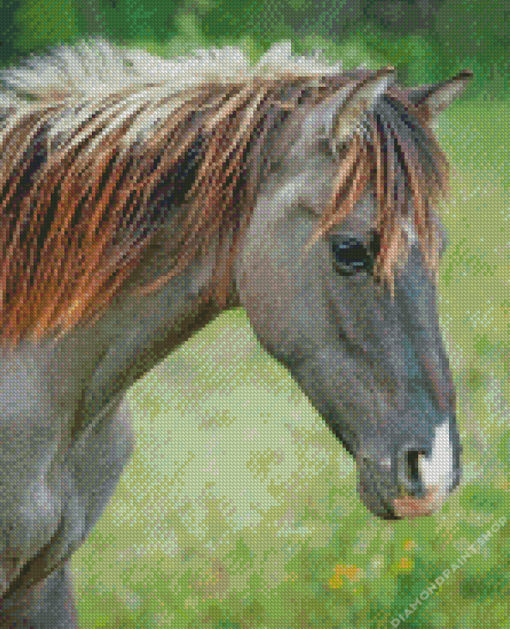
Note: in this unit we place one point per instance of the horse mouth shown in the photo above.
(411, 507)
(397, 502)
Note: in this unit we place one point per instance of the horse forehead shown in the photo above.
(310, 187)
(310, 192)
(362, 221)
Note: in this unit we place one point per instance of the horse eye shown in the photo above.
(351, 255)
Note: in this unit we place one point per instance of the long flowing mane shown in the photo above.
(100, 144)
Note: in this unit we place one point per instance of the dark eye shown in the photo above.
(351, 255)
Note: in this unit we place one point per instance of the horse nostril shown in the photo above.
(409, 472)
(412, 466)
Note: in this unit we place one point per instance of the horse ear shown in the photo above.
(337, 117)
(437, 98)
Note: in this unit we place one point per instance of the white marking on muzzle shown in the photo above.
(436, 470)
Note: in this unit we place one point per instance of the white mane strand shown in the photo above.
(91, 74)
(98, 69)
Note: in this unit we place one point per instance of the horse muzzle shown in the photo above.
(415, 480)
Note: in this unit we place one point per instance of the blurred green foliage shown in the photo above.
(42, 22)
(476, 33)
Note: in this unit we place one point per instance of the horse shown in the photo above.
(140, 198)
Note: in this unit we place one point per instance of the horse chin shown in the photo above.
(382, 498)
(410, 507)
(403, 507)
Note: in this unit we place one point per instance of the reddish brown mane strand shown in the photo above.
(77, 214)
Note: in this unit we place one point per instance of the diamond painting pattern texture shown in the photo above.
(242, 351)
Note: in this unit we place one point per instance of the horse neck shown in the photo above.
(137, 330)
(81, 372)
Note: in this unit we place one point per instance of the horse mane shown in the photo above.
(101, 144)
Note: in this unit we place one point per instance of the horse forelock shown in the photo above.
(86, 176)
(395, 152)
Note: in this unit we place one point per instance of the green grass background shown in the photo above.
(239, 508)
